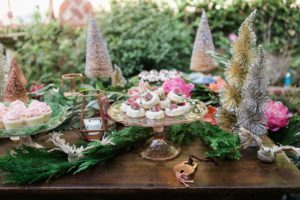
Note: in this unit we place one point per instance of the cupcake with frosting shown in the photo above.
(34, 116)
(43, 107)
(17, 106)
(13, 119)
(3, 111)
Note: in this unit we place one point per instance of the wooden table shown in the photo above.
(129, 175)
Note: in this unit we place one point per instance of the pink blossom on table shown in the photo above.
(177, 82)
(277, 115)
(232, 37)
(35, 87)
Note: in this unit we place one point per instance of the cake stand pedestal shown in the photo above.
(158, 149)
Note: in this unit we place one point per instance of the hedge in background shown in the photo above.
(141, 35)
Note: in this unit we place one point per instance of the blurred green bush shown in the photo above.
(144, 35)
(50, 50)
(141, 35)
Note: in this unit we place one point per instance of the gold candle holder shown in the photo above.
(70, 83)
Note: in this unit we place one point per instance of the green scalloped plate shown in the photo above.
(59, 115)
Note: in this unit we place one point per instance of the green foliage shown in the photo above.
(50, 49)
(26, 165)
(142, 35)
(204, 94)
(277, 21)
(223, 145)
(150, 34)
(289, 135)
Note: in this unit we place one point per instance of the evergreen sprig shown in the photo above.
(223, 144)
(26, 165)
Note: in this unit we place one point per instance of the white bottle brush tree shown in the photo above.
(98, 62)
(250, 113)
(201, 61)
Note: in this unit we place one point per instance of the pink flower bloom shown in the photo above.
(177, 82)
(232, 37)
(35, 87)
(277, 115)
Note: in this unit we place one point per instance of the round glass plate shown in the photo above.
(59, 115)
(158, 148)
(116, 114)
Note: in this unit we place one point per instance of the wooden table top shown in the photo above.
(129, 173)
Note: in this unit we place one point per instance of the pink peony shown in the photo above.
(177, 82)
(277, 115)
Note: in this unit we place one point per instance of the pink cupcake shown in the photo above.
(44, 108)
(13, 119)
(17, 106)
(3, 111)
(33, 117)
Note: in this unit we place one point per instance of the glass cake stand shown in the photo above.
(23, 135)
(158, 149)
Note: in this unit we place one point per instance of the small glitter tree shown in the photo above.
(117, 78)
(98, 63)
(18, 71)
(200, 60)
(14, 89)
(243, 57)
(255, 95)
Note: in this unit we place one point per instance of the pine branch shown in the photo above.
(27, 165)
(223, 145)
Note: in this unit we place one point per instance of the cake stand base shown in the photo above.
(159, 149)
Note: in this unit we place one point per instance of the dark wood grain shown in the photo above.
(130, 174)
